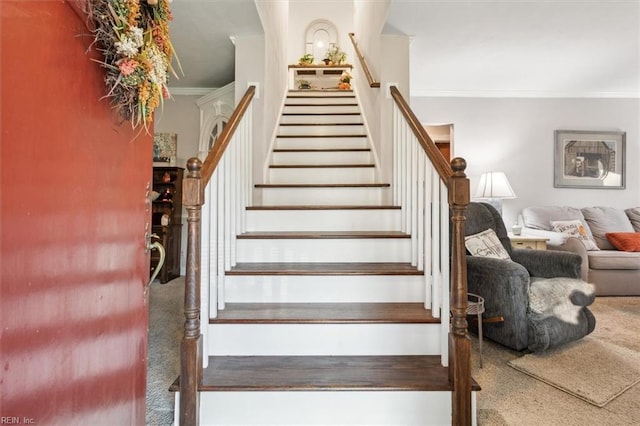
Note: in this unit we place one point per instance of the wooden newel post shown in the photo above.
(191, 345)
(459, 342)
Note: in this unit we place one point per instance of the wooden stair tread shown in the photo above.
(320, 268)
(324, 207)
(319, 166)
(296, 235)
(324, 136)
(322, 185)
(324, 313)
(329, 373)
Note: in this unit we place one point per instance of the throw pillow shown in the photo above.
(486, 244)
(634, 216)
(606, 219)
(625, 241)
(574, 228)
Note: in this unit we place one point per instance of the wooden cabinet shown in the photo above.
(166, 219)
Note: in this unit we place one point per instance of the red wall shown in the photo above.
(72, 221)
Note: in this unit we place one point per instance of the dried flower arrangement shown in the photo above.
(133, 36)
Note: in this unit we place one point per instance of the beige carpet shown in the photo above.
(593, 370)
(509, 397)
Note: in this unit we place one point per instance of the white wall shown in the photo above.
(180, 115)
(516, 136)
(394, 69)
(303, 12)
(274, 15)
(369, 18)
(250, 68)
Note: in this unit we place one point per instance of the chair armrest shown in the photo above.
(549, 263)
(574, 245)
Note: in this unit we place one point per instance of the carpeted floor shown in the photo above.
(508, 397)
(166, 319)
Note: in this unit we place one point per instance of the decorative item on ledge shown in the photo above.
(304, 84)
(335, 56)
(306, 59)
(133, 37)
(345, 81)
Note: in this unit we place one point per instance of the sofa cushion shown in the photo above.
(542, 216)
(634, 216)
(625, 241)
(614, 259)
(606, 219)
(486, 244)
(574, 228)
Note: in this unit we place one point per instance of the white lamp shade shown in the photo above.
(494, 185)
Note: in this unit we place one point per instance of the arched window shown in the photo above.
(321, 34)
(215, 110)
(218, 125)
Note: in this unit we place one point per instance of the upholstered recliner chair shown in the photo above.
(540, 294)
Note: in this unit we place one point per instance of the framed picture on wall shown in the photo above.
(165, 147)
(587, 159)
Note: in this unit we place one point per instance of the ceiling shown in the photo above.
(493, 48)
(200, 34)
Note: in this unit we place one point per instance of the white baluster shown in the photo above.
(435, 244)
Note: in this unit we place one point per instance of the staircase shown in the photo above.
(320, 316)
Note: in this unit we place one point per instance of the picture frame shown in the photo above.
(165, 147)
(589, 159)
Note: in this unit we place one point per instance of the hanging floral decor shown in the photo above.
(133, 36)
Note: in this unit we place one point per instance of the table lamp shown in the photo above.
(494, 187)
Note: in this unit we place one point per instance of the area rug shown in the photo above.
(590, 369)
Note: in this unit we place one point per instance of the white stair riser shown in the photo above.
(322, 130)
(337, 98)
(324, 289)
(322, 109)
(322, 196)
(324, 220)
(322, 143)
(321, 118)
(324, 250)
(322, 157)
(322, 175)
(345, 408)
(323, 339)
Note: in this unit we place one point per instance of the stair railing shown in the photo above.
(426, 186)
(363, 63)
(225, 181)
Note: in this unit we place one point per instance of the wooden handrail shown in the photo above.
(439, 163)
(191, 351)
(218, 149)
(363, 63)
(457, 183)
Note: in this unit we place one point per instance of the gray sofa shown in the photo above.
(613, 272)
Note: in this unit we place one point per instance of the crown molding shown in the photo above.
(190, 91)
(522, 94)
